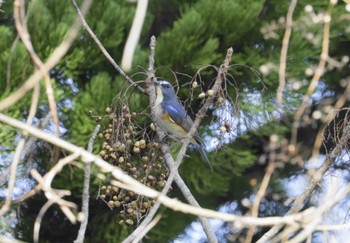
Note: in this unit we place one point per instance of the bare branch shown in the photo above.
(134, 34)
(55, 57)
(314, 181)
(264, 184)
(318, 73)
(142, 189)
(147, 229)
(103, 50)
(22, 31)
(284, 52)
(38, 220)
(86, 194)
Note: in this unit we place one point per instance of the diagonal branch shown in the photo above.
(86, 186)
(103, 50)
(140, 188)
(51, 62)
(284, 51)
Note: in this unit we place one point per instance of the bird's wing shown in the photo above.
(178, 114)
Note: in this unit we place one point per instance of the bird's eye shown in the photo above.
(167, 86)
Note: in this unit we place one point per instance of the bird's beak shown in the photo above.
(156, 83)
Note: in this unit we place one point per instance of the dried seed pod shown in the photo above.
(161, 184)
(121, 159)
(201, 95)
(133, 204)
(110, 203)
(121, 148)
(127, 116)
(113, 156)
(136, 150)
(194, 85)
(142, 143)
(220, 100)
(152, 126)
(121, 222)
(144, 158)
(137, 144)
(151, 178)
(223, 129)
(129, 222)
(103, 196)
(104, 144)
(145, 205)
(103, 188)
(103, 153)
(109, 109)
(116, 204)
(210, 92)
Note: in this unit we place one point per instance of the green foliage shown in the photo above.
(95, 98)
(189, 49)
(227, 164)
(110, 232)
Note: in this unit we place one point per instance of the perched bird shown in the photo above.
(172, 118)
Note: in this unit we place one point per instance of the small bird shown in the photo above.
(172, 118)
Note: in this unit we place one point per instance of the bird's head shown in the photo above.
(165, 90)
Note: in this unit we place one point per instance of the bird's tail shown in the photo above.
(204, 155)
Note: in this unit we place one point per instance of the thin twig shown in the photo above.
(330, 116)
(284, 51)
(314, 181)
(38, 220)
(86, 194)
(317, 75)
(264, 184)
(134, 34)
(147, 229)
(22, 30)
(55, 57)
(103, 50)
(32, 111)
(141, 189)
(316, 217)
